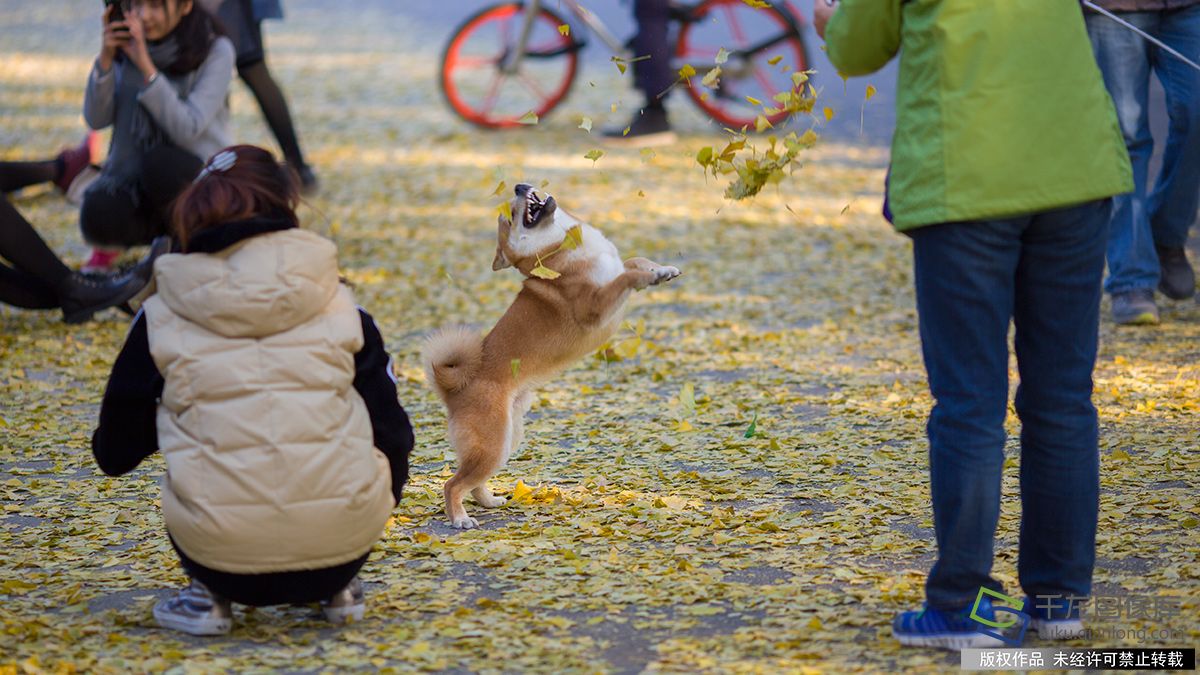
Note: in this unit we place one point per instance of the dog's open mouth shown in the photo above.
(536, 208)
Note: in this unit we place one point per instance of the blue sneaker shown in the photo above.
(931, 627)
(1054, 617)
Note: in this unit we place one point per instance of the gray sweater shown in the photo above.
(192, 109)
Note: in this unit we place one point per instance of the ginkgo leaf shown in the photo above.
(515, 366)
(687, 397)
(758, 4)
(753, 423)
(647, 155)
(499, 188)
(761, 123)
(595, 154)
(870, 91)
(711, 78)
(521, 492)
(775, 59)
(686, 71)
(574, 238)
(753, 101)
(586, 124)
(543, 272)
(528, 118)
(504, 209)
(564, 29)
(828, 113)
(722, 56)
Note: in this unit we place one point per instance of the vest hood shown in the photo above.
(265, 283)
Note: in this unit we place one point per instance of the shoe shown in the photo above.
(1056, 618)
(648, 128)
(81, 295)
(1135, 308)
(309, 185)
(347, 605)
(100, 262)
(196, 611)
(74, 160)
(931, 627)
(1177, 280)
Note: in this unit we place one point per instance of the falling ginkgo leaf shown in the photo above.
(871, 91)
(528, 118)
(722, 56)
(586, 124)
(505, 210)
(574, 238)
(712, 77)
(753, 101)
(515, 365)
(564, 29)
(752, 428)
(828, 113)
(686, 71)
(595, 154)
(775, 59)
(499, 188)
(543, 272)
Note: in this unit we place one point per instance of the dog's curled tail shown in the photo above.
(451, 357)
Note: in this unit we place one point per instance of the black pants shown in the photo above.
(36, 272)
(274, 588)
(114, 220)
(653, 76)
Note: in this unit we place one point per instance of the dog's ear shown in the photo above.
(500, 261)
(503, 227)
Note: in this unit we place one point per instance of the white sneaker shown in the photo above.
(196, 611)
(347, 605)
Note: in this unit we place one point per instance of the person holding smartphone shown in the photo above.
(161, 81)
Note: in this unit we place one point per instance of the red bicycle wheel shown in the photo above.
(474, 82)
(765, 47)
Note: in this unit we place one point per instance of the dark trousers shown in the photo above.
(274, 588)
(652, 76)
(1041, 272)
(114, 220)
(36, 272)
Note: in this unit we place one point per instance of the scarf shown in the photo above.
(134, 131)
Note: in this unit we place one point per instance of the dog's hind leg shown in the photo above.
(516, 421)
(481, 453)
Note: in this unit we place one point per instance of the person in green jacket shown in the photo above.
(1004, 160)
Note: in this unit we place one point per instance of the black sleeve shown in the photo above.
(127, 432)
(373, 381)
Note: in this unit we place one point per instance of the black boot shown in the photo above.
(649, 127)
(81, 295)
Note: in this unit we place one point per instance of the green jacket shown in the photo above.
(1000, 107)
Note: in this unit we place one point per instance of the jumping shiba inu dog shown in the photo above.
(487, 383)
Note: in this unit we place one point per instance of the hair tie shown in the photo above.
(221, 162)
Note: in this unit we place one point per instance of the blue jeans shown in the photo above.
(1042, 272)
(1163, 217)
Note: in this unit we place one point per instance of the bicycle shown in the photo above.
(512, 59)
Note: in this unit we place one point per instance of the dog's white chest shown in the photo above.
(606, 261)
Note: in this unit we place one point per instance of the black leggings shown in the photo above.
(111, 219)
(16, 175)
(36, 273)
(274, 109)
(274, 588)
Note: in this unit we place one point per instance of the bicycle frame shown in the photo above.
(614, 44)
(593, 23)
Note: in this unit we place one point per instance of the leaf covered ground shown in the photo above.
(648, 529)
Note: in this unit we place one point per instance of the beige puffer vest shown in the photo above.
(271, 464)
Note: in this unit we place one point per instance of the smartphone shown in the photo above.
(118, 14)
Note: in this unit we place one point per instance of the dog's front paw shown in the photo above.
(464, 523)
(664, 274)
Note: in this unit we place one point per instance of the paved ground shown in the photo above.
(649, 529)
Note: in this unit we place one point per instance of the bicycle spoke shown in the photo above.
(532, 85)
(734, 25)
(489, 99)
(474, 62)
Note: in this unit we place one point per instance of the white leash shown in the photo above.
(1091, 5)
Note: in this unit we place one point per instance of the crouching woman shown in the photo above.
(269, 394)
